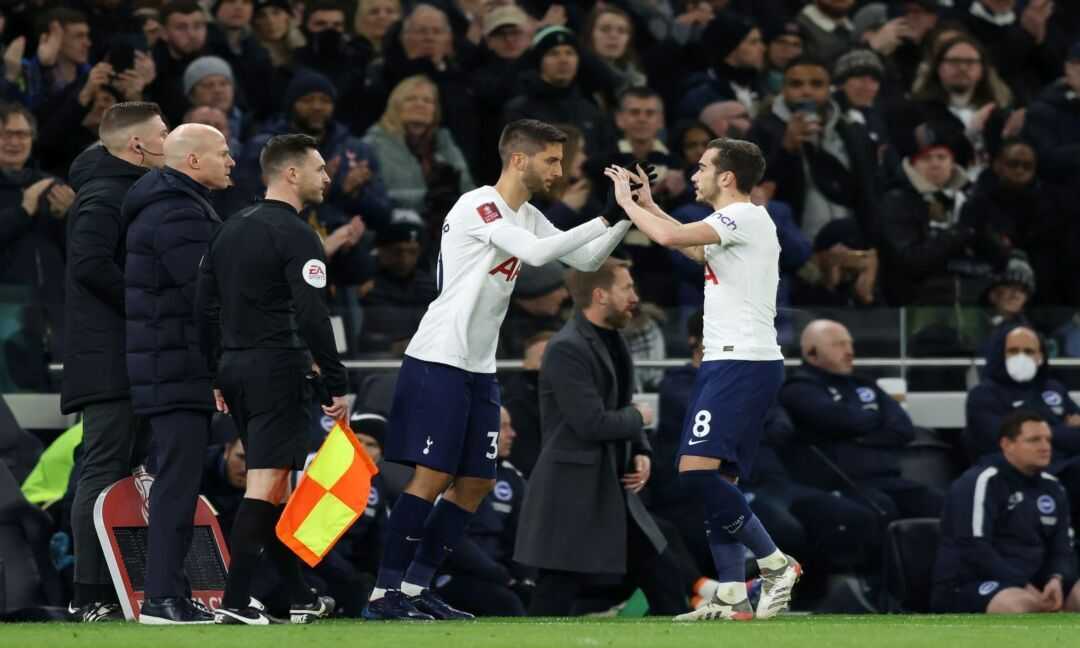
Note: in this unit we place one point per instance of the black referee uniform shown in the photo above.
(262, 311)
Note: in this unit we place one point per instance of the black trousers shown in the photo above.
(109, 432)
(657, 574)
(177, 451)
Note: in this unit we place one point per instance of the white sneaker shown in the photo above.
(776, 586)
(717, 610)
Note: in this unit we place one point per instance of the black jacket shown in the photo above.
(1053, 124)
(95, 364)
(31, 247)
(1001, 525)
(555, 105)
(859, 426)
(989, 402)
(170, 225)
(575, 514)
(521, 397)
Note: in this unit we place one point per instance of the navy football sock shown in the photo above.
(442, 534)
(726, 510)
(403, 535)
(729, 556)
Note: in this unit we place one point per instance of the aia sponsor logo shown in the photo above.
(489, 212)
(710, 276)
(510, 268)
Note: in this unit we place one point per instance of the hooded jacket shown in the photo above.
(95, 364)
(989, 402)
(171, 223)
(856, 423)
(1053, 124)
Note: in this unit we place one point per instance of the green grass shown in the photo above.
(795, 631)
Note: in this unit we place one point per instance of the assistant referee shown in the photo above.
(263, 320)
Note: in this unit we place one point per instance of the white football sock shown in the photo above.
(408, 589)
(377, 594)
(772, 562)
(731, 592)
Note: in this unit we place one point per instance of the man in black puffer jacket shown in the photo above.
(95, 371)
(171, 224)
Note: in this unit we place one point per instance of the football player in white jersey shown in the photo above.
(445, 416)
(742, 369)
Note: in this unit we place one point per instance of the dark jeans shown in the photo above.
(657, 575)
(178, 449)
(109, 431)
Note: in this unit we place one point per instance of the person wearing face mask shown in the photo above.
(329, 50)
(1017, 376)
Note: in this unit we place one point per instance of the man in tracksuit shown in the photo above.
(1006, 543)
(859, 426)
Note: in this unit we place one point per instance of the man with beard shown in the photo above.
(263, 321)
(445, 415)
(582, 515)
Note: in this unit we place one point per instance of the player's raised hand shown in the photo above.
(620, 181)
(641, 187)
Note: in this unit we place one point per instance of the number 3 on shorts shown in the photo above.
(494, 454)
(701, 424)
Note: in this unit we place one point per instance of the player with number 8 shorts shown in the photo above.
(742, 368)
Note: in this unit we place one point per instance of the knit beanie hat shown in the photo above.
(203, 67)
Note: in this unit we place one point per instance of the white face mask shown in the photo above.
(1021, 367)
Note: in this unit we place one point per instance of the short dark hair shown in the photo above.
(527, 136)
(323, 5)
(1014, 422)
(581, 284)
(182, 7)
(126, 114)
(808, 61)
(10, 109)
(283, 149)
(742, 158)
(639, 92)
(63, 15)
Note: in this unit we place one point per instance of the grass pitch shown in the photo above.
(794, 631)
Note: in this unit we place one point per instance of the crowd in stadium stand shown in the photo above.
(921, 154)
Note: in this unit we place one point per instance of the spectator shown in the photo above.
(858, 76)
(183, 40)
(397, 296)
(276, 32)
(1053, 124)
(1017, 376)
(170, 225)
(62, 57)
(582, 514)
(356, 182)
(423, 168)
(95, 378)
(209, 81)
(821, 164)
(827, 28)
(230, 37)
(215, 117)
(737, 52)
(959, 87)
(551, 91)
(33, 213)
(72, 122)
(609, 36)
(224, 479)
(784, 44)
(329, 51)
(521, 398)
(507, 32)
(1012, 210)
(372, 21)
(897, 35)
(860, 427)
(640, 120)
(927, 248)
(423, 44)
(537, 304)
(1025, 46)
(481, 573)
(1006, 542)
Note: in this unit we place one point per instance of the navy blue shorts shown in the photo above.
(727, 410)
(445, 418)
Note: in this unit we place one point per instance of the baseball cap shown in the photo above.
(503, 17)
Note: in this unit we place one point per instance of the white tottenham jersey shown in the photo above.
(476, 279)
(742, 273)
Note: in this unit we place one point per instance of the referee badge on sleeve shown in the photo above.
(314, 273)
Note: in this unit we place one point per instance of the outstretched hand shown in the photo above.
(641, 185)
(620, 181)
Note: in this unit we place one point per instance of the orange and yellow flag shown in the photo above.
(330, 497)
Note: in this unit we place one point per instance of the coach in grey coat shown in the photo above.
(582, 515)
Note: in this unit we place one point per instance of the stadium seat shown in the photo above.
(928, 460)
(910, 550)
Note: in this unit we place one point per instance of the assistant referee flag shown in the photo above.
(331, 496)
